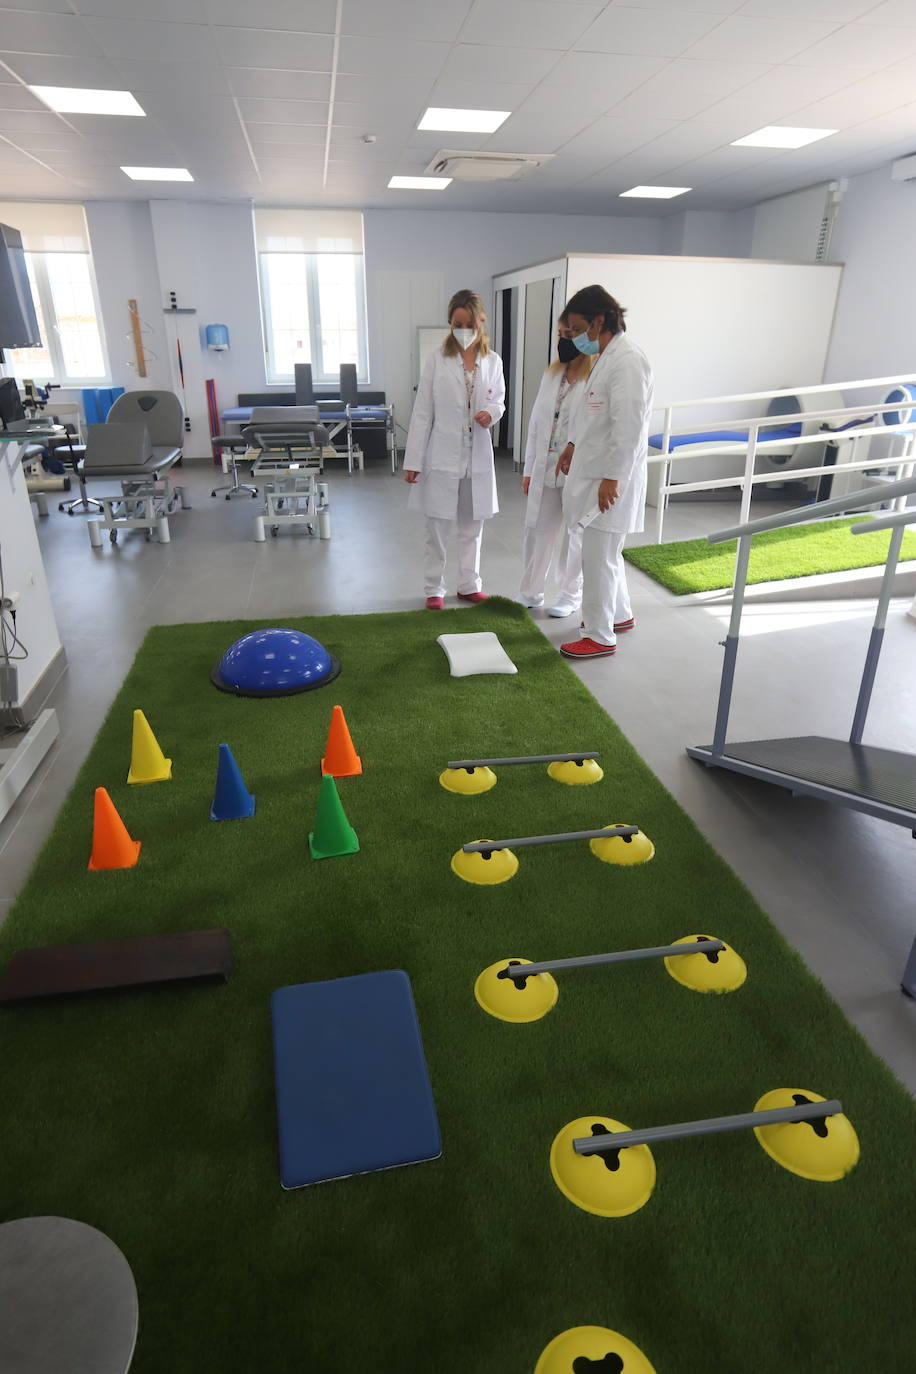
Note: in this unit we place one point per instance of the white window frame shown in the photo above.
(52, 340)
(319, 376)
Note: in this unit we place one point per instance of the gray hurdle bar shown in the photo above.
(624, 1140)
(488, 846)
(623, 956)
(523, 758)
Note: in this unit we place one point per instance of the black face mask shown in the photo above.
(566, 350)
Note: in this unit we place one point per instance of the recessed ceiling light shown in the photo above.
(158, 173)
(657, 192)
(419, 183)
(463, 121)
(781, 136)
(79, 100)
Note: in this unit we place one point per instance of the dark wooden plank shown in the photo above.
(58, 970)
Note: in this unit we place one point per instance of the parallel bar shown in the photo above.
(869, 496)
(716, 1125)
(623, 956)
(487, 846)
(877, 636)
(522, 758)
(886, 522)
(730, 644)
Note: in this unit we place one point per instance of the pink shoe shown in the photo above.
(434, 603)
(586, 648)
(473, 596)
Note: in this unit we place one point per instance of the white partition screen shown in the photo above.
(718, 326)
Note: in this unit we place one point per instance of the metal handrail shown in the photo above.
(906, 486)
(807, 416)
(887, 522)
(794, 391)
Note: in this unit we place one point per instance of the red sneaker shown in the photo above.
(619, 627)
(473, 596)
(434, 603)
(587, 648)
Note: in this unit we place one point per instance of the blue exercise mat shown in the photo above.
(353, 1091)
(725, 436)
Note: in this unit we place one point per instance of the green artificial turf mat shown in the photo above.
(695, 565)
(150, 1114)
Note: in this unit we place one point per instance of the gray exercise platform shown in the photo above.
(68, 1302)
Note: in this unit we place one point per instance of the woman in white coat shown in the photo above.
(605, 491)
(449, 455)
(542, 483)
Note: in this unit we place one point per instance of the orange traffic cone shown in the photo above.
(112, 846)
(340, 758)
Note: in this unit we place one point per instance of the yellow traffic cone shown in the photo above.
(147, 762)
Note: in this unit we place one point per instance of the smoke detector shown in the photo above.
(462, 166)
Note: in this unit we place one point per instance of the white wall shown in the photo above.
(788, 226)
(23, 572)
(874, 334)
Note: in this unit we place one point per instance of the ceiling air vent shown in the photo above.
(449, 162)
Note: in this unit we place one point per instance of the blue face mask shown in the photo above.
(585, 344)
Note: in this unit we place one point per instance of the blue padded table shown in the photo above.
(338, 418)
(352, 1087)
(725, 436)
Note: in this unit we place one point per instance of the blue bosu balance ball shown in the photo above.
(274, 663)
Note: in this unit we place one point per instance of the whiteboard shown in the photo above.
(429, 338)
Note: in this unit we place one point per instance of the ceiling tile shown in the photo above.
(772, 98)
(863, 44)
(720, 163)
(494, 95)
(707, 6)
(41, 70)
(283, 111)
(292, 16)
(893, 12)
(612, 76)
(28, 122)
(177, 11)
(685, 88)
(280, 51)
(16, 97)
(170, 77)
(298, 135)
(45, 6)
(146, 40)
(769, 40)
(873, 95)
(53, 34)
(419, 18)
(60, 139)
(274, 85)
(621, 30)
(610, 138)
(829, 11)
(372, 55)
(540, 126)
(538, 21)
(376, 87)
(483, 64)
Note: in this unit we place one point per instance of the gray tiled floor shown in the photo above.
(838, 885)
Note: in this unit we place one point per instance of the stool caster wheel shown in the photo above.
(113, 536)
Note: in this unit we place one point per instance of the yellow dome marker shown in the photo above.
(592, 1350)
(823, 1151)
(468, 782)
(722, 971)
(623, 849)
(612, 1185)
(485, 869)
(516, 1000)
(575, 772)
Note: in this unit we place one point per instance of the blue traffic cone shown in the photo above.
(233, 801)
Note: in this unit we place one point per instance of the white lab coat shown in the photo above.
(539, 426)
(610, 430)
(434, 439)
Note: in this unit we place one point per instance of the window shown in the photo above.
(63, 290)
(313, 293)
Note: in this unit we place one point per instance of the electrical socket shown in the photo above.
(10, 601)
(9, 683)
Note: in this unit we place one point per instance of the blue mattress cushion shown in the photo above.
(352, 1087)
(725, 436)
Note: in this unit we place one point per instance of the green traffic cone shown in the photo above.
(333, 834)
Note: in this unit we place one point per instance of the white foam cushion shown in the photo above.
(476, 653)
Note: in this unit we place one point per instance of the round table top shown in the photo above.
(68, 1302)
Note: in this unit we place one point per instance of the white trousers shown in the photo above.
(469, 531)
(538, 547)
(605, 598)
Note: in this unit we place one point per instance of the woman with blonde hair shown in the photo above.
(548, 432)
(448, 460)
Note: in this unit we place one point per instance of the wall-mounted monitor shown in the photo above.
(18, 323)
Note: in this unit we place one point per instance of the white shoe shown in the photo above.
(532, 602)
(562, 609)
